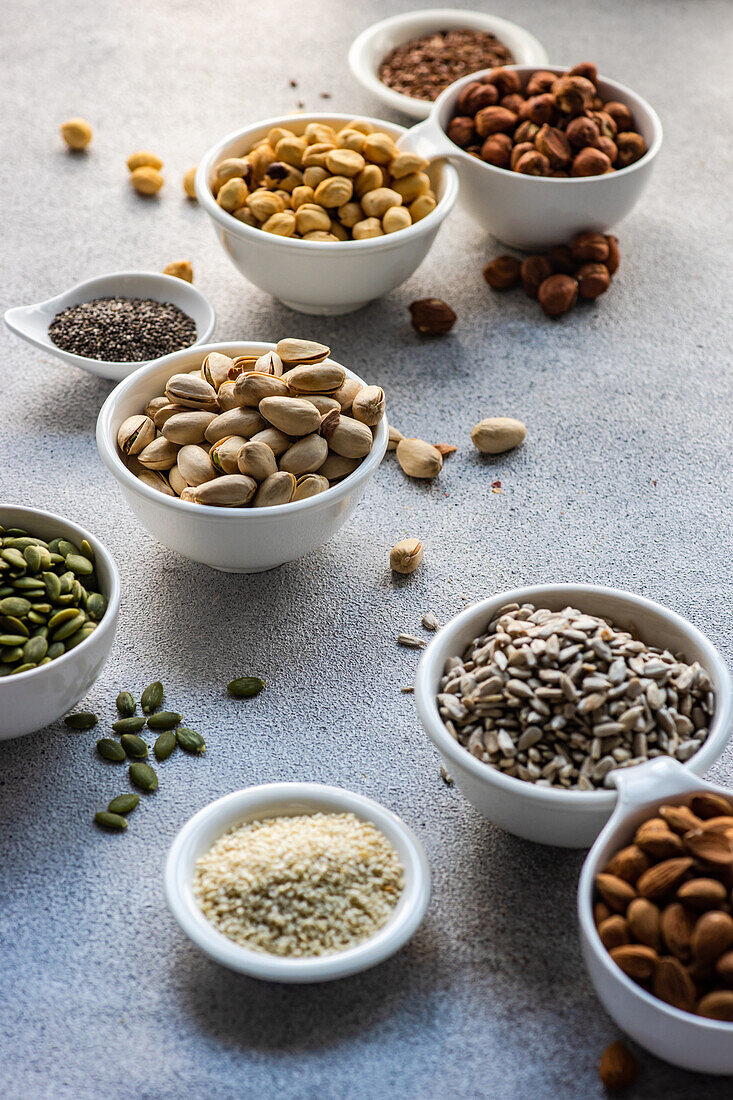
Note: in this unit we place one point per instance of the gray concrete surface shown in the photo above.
(625, 479)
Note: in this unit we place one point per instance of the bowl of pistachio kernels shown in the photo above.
(59, 601)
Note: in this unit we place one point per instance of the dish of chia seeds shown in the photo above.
(122, 330)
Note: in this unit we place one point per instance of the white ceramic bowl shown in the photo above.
(692, 1042)
(31, 700)
(369, 50)
(289, 799)
(318, 276)
(570, 819)
(537, 212)
(237, 540)
(31, 322)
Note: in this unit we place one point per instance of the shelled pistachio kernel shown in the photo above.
(77, 133)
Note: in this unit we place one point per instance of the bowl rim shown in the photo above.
(271, 800)
(420, 21)
(588, 929)
(638, 102)
(73, 292)
(113, 596)
(386, 242)
(107, 446)
(430, 669)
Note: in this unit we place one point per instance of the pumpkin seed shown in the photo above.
(152, 697)
(96, 605)
(164, 720)
(110, 820)
(35, 649)
(134, 746)
(55, 650)
(79, 565)
(66, 547)
(164, 745)
(190, 740)
(245, 687)
(111, 750)
(123, 804)
(87, 550)
(13, 557)
(52, 585)
(84, 720)
(13, 639)
(15, 605)
(126, 705)
(143, 776)
(24, 668)
(33, 557)
(133, 724)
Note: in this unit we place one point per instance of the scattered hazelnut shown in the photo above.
(533, 164)
(613, 259)
(553, 144)
(582, 131)
(432, 316)
(590, 162)
(180, 269)
(593, 280)
(561, 259)
(618, 1068)
(77, 133)
(534, 271)
(460, 130)
(494, 120)
(503, 272)
(146, 180)
(558, 294)
(631, 147)
(590, 247)
(497, 150)
(620, 114)
(573, 94)
(188, 183)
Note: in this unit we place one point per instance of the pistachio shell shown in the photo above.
(215, 368)
(336, 466)
(154, 479)
(192, 391)
(292, 415)
(315, 378)
(277, 441)
(497, 434)
(188, 427)
(225, 395)
(346, 394)
(276, 489)
(368, 405)
(310, 485)
(257, 460)
(252, 387)
(292, 351)
(322, 402)
(346, 437)
(224, 454)
(418, 458)
(195, 465)
(158, 455)
(135, 433)
(244, 421)
(305, 456)
(269, 363)
(228, 491)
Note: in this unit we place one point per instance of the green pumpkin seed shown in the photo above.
(143, 776)
(35, 618)
(110, 820)
(164, 720)
(70, 627)
(55, 650)
(39, 631)
(126, 705)
(96, 605)
(30, 587)
(12, 625)
(45, 661)
(151, 698)
(35, 649)
(111, 750)
(190, 740)
(33, 557)
(134, 746)
(6, 670)
(11, 654)
(63, 616)
(14, 605)
(87, 549)
(80, 635)
(123, 804)
(164, 745)
(52, 585)
(84, 720)
(133, 724)
(12, 639)
(67, 582)
(41, 608)
(66, 547)
(13, 557)
(24, 668)
(245, 687)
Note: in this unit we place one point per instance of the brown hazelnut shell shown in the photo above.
(558, 294)
(534, 271)
(503, 272)
(593, 280)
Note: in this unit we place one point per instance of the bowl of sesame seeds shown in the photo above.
(535, 697)
(297, 882)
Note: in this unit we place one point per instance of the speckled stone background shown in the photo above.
(625, 479)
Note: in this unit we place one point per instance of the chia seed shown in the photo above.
(423, 67)
(122, 330)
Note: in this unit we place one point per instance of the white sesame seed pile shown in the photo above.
(307, 885)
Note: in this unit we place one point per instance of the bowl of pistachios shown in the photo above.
(59, 601)
(243, 456)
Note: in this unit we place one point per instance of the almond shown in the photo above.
(628, 863)
(707, 804)
(673, 984)
(702, 893)
(676, 926)
(653, 825)
(614, 931)
(661, 845)
(616, 892)
(718, 824)
(712, 935)
(644, 918)
(717, 1005)
(680, 818)
(601, 912)
(724, 967)
(663, 877)
(617, 1068)
(635, 959)
(710, 846)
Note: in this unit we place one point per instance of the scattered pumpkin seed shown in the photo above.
(134, 746)
(112, 750)
(190, 740)
(164, 745)
(143, 776)
(126, 704)
(164, 720)
(84, 720)
(129, 725)
(152, 697)
(110, 820)
(245, 687)
(123, 804)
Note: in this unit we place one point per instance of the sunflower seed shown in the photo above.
(410, 641)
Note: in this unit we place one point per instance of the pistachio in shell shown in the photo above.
(293, 351)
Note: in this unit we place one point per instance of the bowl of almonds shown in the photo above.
(324, 212)
(538, 698)
(246, 455)
(654, 906)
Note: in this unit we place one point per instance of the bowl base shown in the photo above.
(324, 311)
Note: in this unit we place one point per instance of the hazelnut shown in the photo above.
(561, 259)
(553, 144)
(558, 294)
(614, 257)
(586, 69)
(606, 126)
(540, 82)
(518, 151)
(506, 81)
(432, 316)
(533, 163)
(525, 132)
(503, 273)
(620, 114)
(631, 147)
(541, 108)
(593, 280)
(590, 247)
(534, 271)
(582, 131)
(482, 95)
(462, 101)
(494, 120)
(573, 94)
(609, 148)
(513, 102)
(460, 130)
(590, 162)
(497, 150)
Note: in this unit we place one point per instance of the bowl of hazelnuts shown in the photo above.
(543, 154)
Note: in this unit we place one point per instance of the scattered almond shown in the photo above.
(617, 1069)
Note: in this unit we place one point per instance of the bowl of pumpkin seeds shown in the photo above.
(243, 456)
(59, 601)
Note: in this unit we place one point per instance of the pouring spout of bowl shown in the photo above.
(429, 140)
(659, 778)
